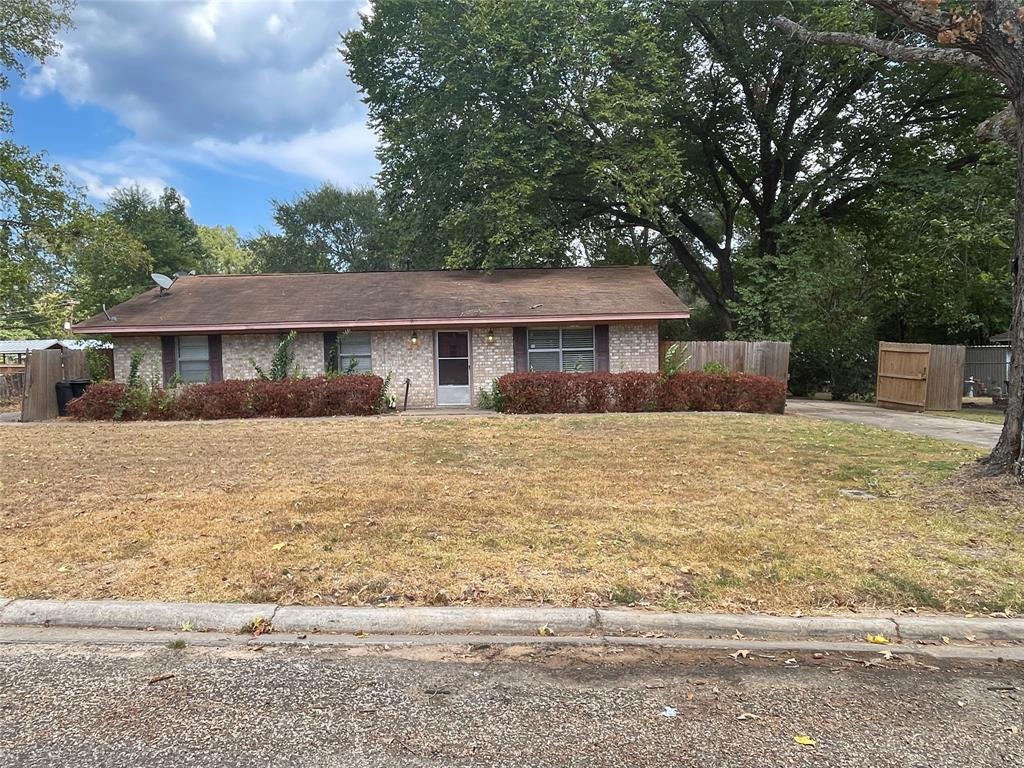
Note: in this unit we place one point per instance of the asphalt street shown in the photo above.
(152, 705)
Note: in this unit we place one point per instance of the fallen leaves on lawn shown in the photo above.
(878, 639)
(805, 741)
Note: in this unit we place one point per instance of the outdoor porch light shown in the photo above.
(490, 336)
(415, 339)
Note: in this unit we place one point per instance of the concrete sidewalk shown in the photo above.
(939, 427)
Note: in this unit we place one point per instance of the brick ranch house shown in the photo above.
(449, 332)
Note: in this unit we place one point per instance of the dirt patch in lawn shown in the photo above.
(675, 511)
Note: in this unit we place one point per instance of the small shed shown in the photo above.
(15, 351)
(920, 377)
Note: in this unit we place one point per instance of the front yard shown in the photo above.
(675, 511)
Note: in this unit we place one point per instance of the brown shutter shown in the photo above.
(330, 352)
(216, 358)
(168, 353)
(601, 348)
(519, 354)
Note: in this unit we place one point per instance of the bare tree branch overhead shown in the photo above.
(885, 48)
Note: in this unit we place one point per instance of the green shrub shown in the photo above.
(98, 365)
(676, 359)
(713, 366)
(281, 362)
(491, 399)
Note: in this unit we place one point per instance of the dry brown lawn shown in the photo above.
(679, 511)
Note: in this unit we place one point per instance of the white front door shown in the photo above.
(451, 360)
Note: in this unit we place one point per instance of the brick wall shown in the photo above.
(151, 370)
(490, 359)
(633, 347)
(393, 352)
(239, 350)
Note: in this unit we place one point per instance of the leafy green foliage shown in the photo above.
(713, 366)
(98, 364)
(491, 398)
(225, 252)
(30, 29)
(163, 226)
(282, 361)
(325, 230)
(510, 128)
(676, 359)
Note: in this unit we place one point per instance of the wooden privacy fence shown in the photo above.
(764, 358)
(43, 370)
(12, 381)
(919, 376)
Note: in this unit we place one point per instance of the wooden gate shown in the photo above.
(43, 369)
(919, 377)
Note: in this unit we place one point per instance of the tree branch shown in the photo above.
(886, 49)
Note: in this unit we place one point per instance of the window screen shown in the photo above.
(568, 350)
(354, 352)
(194, 358)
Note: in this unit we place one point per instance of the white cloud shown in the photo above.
(177, 72)
(338, 154)
(231, 85)
(100, 186)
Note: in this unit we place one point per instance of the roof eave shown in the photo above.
(422, 322)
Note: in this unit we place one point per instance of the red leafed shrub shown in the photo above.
(635, 391)
(579, 392)
(330, 396)
(693, 391)
(100, 402)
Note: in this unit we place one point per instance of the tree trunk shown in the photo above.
(1008, 455)
(708, 290)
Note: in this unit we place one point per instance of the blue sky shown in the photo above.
(232, 103)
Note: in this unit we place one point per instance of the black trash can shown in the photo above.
(78, 386)
(64, 396)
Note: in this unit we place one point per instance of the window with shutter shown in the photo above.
(354, 352)
(194, 358)
(570, 350)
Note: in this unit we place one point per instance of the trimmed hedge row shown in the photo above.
(235, 399)
(631, 392)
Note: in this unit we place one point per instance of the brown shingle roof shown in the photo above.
(312, 301)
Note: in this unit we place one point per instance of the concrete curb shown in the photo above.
(521, 622)
(436, 621)
(958, 629)
(127, 614)
(620, 622)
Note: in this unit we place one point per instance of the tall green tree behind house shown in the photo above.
(225, 251)
(508, 127)
(327, 229)
(163, 226)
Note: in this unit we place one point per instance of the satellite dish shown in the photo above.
(163, 281)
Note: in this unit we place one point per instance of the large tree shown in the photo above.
(327, 229)
(986, 37)
(35, 198)
(163, 226)
(508, 127)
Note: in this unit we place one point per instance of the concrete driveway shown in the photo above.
(941, 427)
